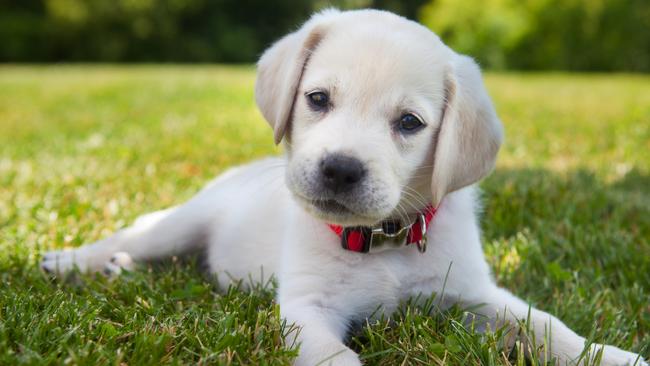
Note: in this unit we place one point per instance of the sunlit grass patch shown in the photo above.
(85, 149)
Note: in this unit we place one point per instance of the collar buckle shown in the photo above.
(422, 243)
(385, 235)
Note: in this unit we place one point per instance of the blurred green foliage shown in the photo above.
(593, 35)
(599, 35)
(143, 30)
(156, 30)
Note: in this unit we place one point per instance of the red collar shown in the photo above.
(387, 234)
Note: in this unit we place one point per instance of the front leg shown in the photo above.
(319, 332)
(566, 347)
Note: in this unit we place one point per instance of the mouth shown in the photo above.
(331, 207)
(333, 211)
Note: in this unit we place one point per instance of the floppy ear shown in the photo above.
(470, 133)
(280, 69)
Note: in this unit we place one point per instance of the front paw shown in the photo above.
(613, 356)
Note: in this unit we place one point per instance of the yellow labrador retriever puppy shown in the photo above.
(386, 130)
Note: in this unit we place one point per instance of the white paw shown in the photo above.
(59, 262)
(86, 259)
(613, 356)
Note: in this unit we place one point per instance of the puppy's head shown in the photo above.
(379, 117)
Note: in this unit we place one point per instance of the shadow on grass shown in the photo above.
(572, 221)
(516, 199)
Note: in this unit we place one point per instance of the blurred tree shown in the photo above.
(144, 30)
(21, 26)
(482, 28)
(520, 34)
(589, 35)
(586, 35)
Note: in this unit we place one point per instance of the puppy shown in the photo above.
(386, 129)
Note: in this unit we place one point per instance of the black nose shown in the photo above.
(341, 173)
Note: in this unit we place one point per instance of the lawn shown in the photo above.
(86, 149)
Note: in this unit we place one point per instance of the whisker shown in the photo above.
(420, 202)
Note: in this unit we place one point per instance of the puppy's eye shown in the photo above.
(409, 123)
(318, 100)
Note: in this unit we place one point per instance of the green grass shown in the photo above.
(85, 149)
